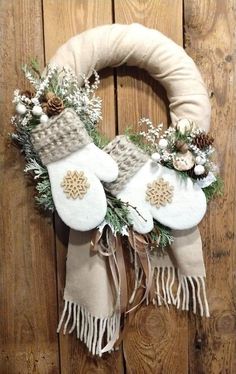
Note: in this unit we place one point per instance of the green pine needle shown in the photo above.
(216, 189)
(35, 66)
(138, 140)
(99, 140)
(161, 235)
(117, 215)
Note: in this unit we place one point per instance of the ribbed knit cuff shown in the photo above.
(129, 158)
(60, 136)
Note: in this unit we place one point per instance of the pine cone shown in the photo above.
(54, 106)
(49, 95)
(203, 140)
(192, 175)
(44, 106)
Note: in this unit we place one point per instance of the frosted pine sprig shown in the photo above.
(35, 82)
(152, 134)
(44, 84)
(65, 84)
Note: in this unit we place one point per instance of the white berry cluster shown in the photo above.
(164, 147)
(64, 84)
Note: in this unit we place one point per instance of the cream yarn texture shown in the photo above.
(60, 136)
(136, 45)
(65, 146)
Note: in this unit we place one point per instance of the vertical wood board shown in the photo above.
(76, 16)
(27, 278)
(157, 339)
(210, 41)
(32, 270)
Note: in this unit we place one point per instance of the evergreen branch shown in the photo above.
(216, 189)
(99, 140)
(161, 235)
(138, 140)
(34, 64)
(117, 215)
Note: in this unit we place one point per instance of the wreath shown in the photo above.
(150, 186)
(184, 147)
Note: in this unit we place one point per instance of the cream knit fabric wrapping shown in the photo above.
(59, 137)
(135, 45)
(129, 160)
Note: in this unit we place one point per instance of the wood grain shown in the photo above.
(76, 16)
(134, 85)
(156, 339)
(32, 273)
(28, 302)
(210, 40)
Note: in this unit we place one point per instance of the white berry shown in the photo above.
(183, 125)
(44, 118)
(20, 108)
(37, 110)
(200, 160)
(155, 157)
(199, 170)
(163, 143)
(35, 101)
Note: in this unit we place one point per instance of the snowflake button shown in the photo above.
(159, 193)
(75, 184)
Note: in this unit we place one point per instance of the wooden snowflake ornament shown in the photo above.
(159, 193)
(75, 184)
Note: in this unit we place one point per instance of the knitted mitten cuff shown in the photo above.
(129, 158)
(60, 136)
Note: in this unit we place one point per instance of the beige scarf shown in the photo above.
(96, 294)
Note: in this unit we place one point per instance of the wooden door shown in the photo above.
(33, 248)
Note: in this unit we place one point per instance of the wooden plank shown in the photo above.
(134, 85)
(157, 339)
(27, 281)
(210, 40)
(75, 16)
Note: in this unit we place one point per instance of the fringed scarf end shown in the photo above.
(191, 290)
(91, 330)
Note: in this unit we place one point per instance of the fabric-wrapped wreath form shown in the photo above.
(146, 199)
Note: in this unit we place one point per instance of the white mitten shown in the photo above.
(154, 190)
(75, 167)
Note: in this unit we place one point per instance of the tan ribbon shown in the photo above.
(142, 245)
(111, 246)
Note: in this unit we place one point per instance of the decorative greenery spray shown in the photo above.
(58, 88)
(185, 148)
(30, 111)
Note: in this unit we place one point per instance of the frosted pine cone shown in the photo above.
(54, 106)
(203, 140)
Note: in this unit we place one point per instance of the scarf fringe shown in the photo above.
(95, 331)
(191, 290)
(91, 330)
